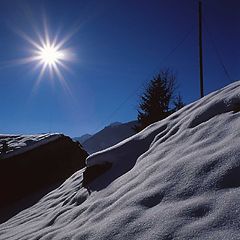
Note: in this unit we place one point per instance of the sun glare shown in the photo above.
(50, 55)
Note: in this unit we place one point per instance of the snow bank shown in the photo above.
(189, 120)
(177, 179)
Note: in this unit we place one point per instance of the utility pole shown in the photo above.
(200, 47)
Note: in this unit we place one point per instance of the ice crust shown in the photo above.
(177, 179)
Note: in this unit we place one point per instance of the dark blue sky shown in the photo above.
(119, 45)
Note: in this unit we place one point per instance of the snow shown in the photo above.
(177, 179)
(18, 144)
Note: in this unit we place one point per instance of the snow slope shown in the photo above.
(177, 179)
(109, 136)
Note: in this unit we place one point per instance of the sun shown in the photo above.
(50, 55)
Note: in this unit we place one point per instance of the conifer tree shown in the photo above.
(156, 101)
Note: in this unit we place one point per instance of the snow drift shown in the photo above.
(177, 179)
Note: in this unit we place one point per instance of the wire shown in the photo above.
(217, 52)
(171, 52)
(178, 45)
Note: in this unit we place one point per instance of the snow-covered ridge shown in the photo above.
(18, 144)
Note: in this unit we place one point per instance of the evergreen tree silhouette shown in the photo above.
(156, 101)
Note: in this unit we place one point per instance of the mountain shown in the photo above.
(176, 179)
(109, 136)
(115, 124)
(83, 138)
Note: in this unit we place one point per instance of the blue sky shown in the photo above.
(118, 46)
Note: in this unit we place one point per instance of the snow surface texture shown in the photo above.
(21, 143)
(177, 179)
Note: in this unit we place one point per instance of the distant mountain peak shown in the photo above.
(114, 124)
(83, 138)
(109, 136)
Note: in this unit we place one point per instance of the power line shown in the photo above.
(171, 52)
(217, 52)
(178, 45)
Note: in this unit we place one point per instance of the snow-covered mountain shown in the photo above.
(109, 136)
(83, 138)
(177, 179)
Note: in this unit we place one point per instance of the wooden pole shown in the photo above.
(200, 47)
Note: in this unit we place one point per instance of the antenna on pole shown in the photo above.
(200, 47)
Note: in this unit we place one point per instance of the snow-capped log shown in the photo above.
(35, 161)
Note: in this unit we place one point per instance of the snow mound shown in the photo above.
(177, 179)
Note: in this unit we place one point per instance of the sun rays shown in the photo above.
(48, 55)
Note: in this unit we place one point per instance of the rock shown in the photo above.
(29, 171)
